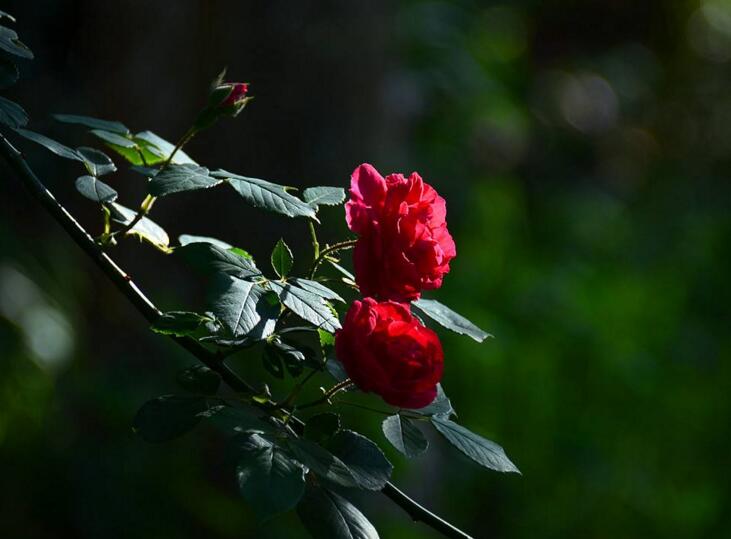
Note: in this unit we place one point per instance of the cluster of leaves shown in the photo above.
(279, 467)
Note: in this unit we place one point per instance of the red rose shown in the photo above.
(404, 245)
(238, 92)
(386, 350)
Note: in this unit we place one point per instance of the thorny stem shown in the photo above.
(151, 313)
(330, 393)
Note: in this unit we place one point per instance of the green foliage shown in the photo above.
(268, 479)
(145, 229)
(199, 379)
(97, 163)
(93, 123)
(327, 514)
(404, 435)
(186, 239)
(95, 189)
(179, 178)
(308, 306)
(282, 259)
(180, 323)
(327, 466)
(324, 196)
(449, 319)
(266, 195)
(482, 451)
(10, 43)
(441, 405)
(244, 308)
(212, 258)
(366, 462)
(50, 144)
(321, 427)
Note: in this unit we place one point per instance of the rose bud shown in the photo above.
(386, 350)
(225, 99)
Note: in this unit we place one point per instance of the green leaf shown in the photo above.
(404, 435)
(267, 195)
(323, 463)
(449, 319)
(10, 43)
(187, 239)
(349, 276)
(327, 515)
(7, 16)
(365, 460)
(8, 73)
(93, 123)
(210, 257)
(307, 305)
(321, 427)
(151, 141)
(324, 196)
(179, 178)
(336, 369)
(114, 139)
(327, 339)
(97, 163)
(268, 479)
(168, 417)
(199, 379)
(95, 190)
(243, 308)
(441, 405)
(293, 359)
(317, 288)
(282, 258)
(50, 144)
(179, 323)
(146, 229)
(482, 451)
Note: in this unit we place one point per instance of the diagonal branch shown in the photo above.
(210, 359)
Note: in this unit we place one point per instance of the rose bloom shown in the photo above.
(386, 350)
(404, 245)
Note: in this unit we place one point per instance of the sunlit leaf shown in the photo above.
(93, 123)
(441, 405)
(50, 144)
(404, 435)
(324, 196)
(267, 195)
(180, 323)
(96, 190)
(179, 178)
(481, 450)
(10, 43)
(317, 288)
(165, 148)
(209, 257)
(307, 305)
(449, 319)
(146, 228)
(186, 239)
(243, 308)
(97, 163)
(282, 258)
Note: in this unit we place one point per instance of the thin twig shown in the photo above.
(328, 250)
(151, 313)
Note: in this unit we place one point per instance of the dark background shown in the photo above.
(583, 149)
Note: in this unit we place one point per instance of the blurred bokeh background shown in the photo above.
(583, 149)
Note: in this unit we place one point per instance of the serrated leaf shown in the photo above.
(210, 257)
(8, 73)
(179, 323)
(243, 308)
(267, 195)
(324, 196)
(282, 258)
(321, 427)
(179, 178)
(365, 460)
(441, 405)
(268, 479)
(93, 123)
(323, 463)
(326, 515)
(145, 229)
(199, 379)
(187, 239)
(10, 43)
(307, 305)
(404, 435)
(449, 319)
(168, 417)
(96, 162)
(481, 450)
(317, 288)
(151, 141)
(50, 144)
(95, 189)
